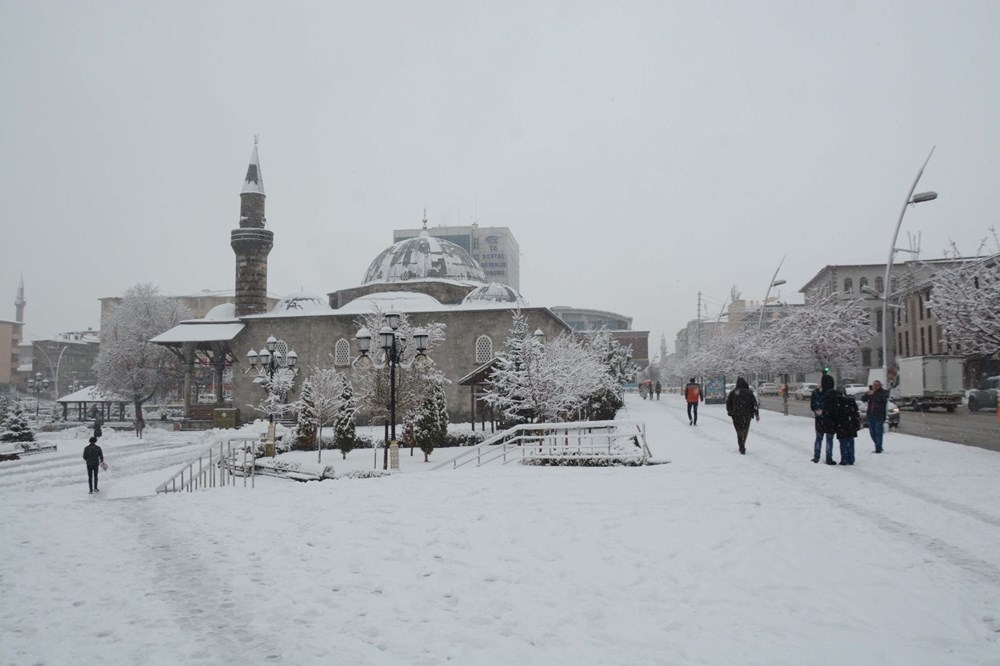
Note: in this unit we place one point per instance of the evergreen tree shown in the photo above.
(3, 410)
(308, 418)
(431, 425)
(344, 421)
(15, 427)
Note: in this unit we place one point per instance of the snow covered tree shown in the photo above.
(345, 434)
(128, 364)
(509, 389)
(15, 426)
(966, 302)
(3, 410)
(307, 422)
(431, 424)
(275, 403)
(605, 402)
(826, 332)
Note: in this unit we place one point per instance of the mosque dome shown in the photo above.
(301, 302)
(494, 292)
(222, 312)
(424, 258)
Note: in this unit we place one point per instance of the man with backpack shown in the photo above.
(693, 394)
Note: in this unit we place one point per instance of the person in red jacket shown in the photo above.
(693, 394)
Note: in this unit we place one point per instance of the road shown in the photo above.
(962, 427)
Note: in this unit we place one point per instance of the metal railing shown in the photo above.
(593, 439)
(217, 467)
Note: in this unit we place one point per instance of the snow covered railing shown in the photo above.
(591, 439)
(219, 466)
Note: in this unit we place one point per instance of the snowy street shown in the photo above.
(714, 558)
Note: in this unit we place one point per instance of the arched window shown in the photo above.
(342, 352)
(848, 286)
(862, 283)
(879, 284)
(484, 349)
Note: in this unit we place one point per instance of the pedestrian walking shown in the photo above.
(877, 398)
(94, 457)
(140, 425)
(693, 394)
(742, 407)
(824, 424)
(658, 389)
(98, 422)
(847, 420)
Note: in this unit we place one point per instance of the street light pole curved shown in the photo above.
(888, 265)
(773, 283)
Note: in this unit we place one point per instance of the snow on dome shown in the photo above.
(421, 258)
(300, 303)
(400, 301)
(222, 312)
(494, 292)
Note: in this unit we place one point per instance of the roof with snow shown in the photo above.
(301, 303)
(254, 182)
(495, 293)
(424, 257)
(92, 394)
(400, 301)
(200, 330)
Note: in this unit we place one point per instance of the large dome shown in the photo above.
(422, 258)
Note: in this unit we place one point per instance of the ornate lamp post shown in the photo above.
(393, 343)
(36, 386)
(273, 359)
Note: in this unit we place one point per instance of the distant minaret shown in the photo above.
(252, 243)
(19, 301)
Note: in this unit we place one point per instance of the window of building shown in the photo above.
(848, 286)
(880, 356)
(866, 357)
(878, 321)
(484, 349)
(923, 340)
(879, 284)
(862, 283)
(342, 352)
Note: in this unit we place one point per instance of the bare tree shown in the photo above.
(128, 364)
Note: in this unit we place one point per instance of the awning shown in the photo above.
(196, 331)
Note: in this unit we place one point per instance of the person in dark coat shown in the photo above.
(659, 387)
(877, 399)
(847, 421)
(94, 456)
(98, 422)
(824, 424)
(741, 405)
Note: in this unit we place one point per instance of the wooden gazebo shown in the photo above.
(475, 380)
(88, 402)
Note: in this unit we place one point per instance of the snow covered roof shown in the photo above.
(421, 258)
(495, 293)
(301, 303)
(199, 330)
(254, 182)
(222, 312)
(92, 394)
(400, 301)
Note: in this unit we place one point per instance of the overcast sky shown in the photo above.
(640, 152)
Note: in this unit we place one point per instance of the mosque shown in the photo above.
(429, 279)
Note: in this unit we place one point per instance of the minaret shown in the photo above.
(19, 301)
(252, 243)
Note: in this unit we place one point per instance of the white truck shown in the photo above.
(930, 381)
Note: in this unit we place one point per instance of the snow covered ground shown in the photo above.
(715, 558)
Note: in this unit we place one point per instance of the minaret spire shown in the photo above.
(425, 218)
(252, 242)
(19, 302)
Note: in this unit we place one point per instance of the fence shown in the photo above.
(217, 467)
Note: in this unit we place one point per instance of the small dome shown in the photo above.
(494, 292)
(222, 312)
(424, 257)
(301, 302)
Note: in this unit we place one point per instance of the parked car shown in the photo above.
(855, 390)
(984, 398)
(768, 388)
(891, 412)
(805, 391)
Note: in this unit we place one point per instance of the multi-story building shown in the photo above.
(65, 359)
(493, 248)
(10, 340)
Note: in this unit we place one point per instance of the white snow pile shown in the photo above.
(715, 558)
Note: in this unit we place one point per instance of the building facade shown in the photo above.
(494, 248)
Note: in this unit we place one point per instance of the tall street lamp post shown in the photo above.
(36, 386)
(911, 199)
(272, 359)
(393, 343)
(775, 282)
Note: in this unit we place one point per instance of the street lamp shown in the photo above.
(775, 282)
(911, 199)
(393, 343)
(36, 386)
(275, 358)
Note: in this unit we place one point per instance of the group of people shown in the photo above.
(837, 414)
(647, 388)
